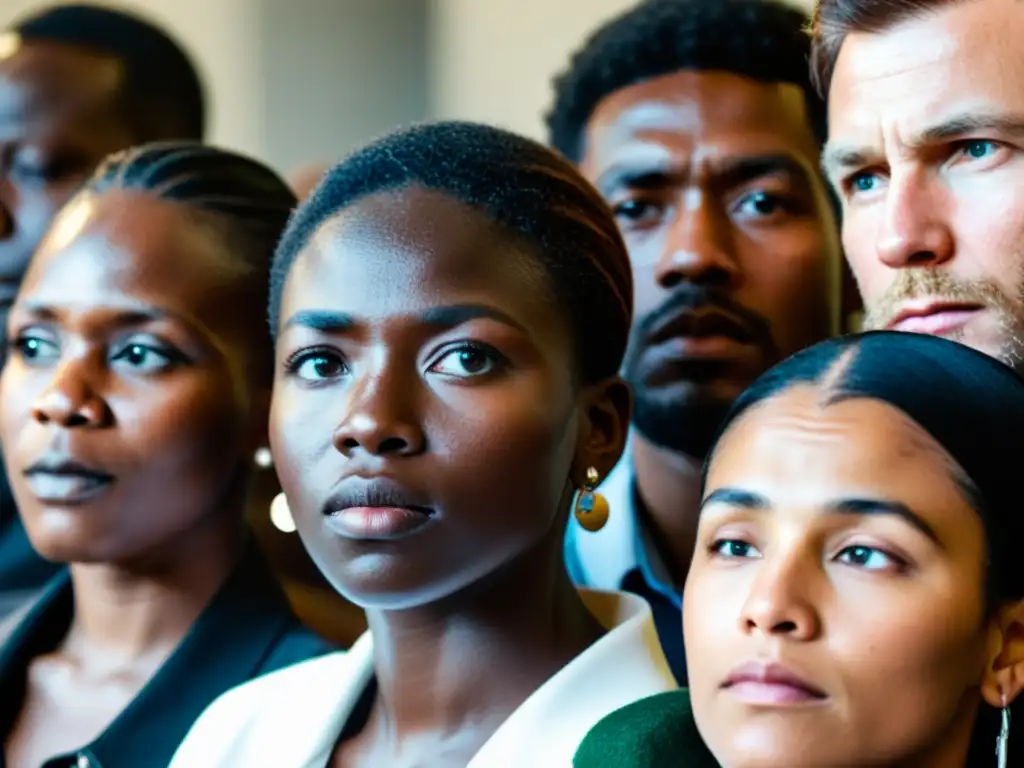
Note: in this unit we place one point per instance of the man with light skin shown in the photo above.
(926, 152)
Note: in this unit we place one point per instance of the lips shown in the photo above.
(936, 318)
(375, 509)
(60, 480)
(700, 324)
(761, 684)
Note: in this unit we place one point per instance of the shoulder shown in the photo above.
(656, 731)
(240, 718)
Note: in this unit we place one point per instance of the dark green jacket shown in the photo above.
(656, 732)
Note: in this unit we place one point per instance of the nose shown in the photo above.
(914, 231)
(381, 417)
(777, 603)
(699, 245)
(70, 401)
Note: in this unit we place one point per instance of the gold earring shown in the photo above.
(281, 514)
(591, 507)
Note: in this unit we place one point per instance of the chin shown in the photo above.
(380, 582)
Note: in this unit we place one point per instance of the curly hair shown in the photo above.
(764, 40)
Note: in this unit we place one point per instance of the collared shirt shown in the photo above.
(246, 630)
(294, 718)
(624, 555)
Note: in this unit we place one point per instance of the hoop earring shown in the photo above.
(1003, 739)
(281, 514)
(591, 507)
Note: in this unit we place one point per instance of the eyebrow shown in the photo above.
(837, 157)
(738, 497)
(330, 321)
(729, 172)
(126, 318)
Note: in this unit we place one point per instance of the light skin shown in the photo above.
(60, 115)
(926, 149)
(836, 541)
(713, 179)
(120, 365)
(423, 349)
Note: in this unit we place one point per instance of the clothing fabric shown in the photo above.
(624, 555)
(656, 732)
(295, 718)
(245, 631)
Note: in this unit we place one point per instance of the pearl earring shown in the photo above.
(281, 514)
(264, 458)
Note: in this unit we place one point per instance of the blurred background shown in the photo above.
(297, 82)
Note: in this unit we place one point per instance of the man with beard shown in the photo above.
(698, 123)
(926, 152)
(76, 83)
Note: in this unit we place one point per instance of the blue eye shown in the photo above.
(978, 149)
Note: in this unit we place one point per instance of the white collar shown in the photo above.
(292, 718)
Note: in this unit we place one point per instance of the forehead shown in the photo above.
(403, 250)
(41, 83)
(794, 444)
(962, 57)
(131, 248)
(693, 111)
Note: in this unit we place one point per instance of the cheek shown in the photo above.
(988, 226)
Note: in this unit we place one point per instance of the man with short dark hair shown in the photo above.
(926, 152)
(697, 121)
(77, 83)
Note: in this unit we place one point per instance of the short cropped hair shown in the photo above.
(835, 19)
(162, 94)
(532, 193)
(765, 40)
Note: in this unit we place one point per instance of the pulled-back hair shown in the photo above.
(969, 402)
(764, 40)
(833, 20)
(249, 202)
(532, 193)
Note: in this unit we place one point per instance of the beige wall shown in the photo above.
(493, 60)
(296, 81)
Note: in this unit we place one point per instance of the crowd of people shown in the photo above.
(686, 439)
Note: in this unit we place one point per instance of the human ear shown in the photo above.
(1004, 673)
(604, 424)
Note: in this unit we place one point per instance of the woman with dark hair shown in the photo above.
(133, 402)
(451, 307)
(856, 594)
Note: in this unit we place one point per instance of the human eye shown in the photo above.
(733, 549)
(870, 558)
(978, 149)
(145, 358)
(316, 365)
(468, 361)
(637, 212)
(861, 183)
(35, 349)
(764, 205)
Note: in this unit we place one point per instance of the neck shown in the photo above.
(669, 487)
(137, 610)
(469, 661)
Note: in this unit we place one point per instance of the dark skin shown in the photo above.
(422, 348)
(60, 115)
(118, 364)
(713, 178)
